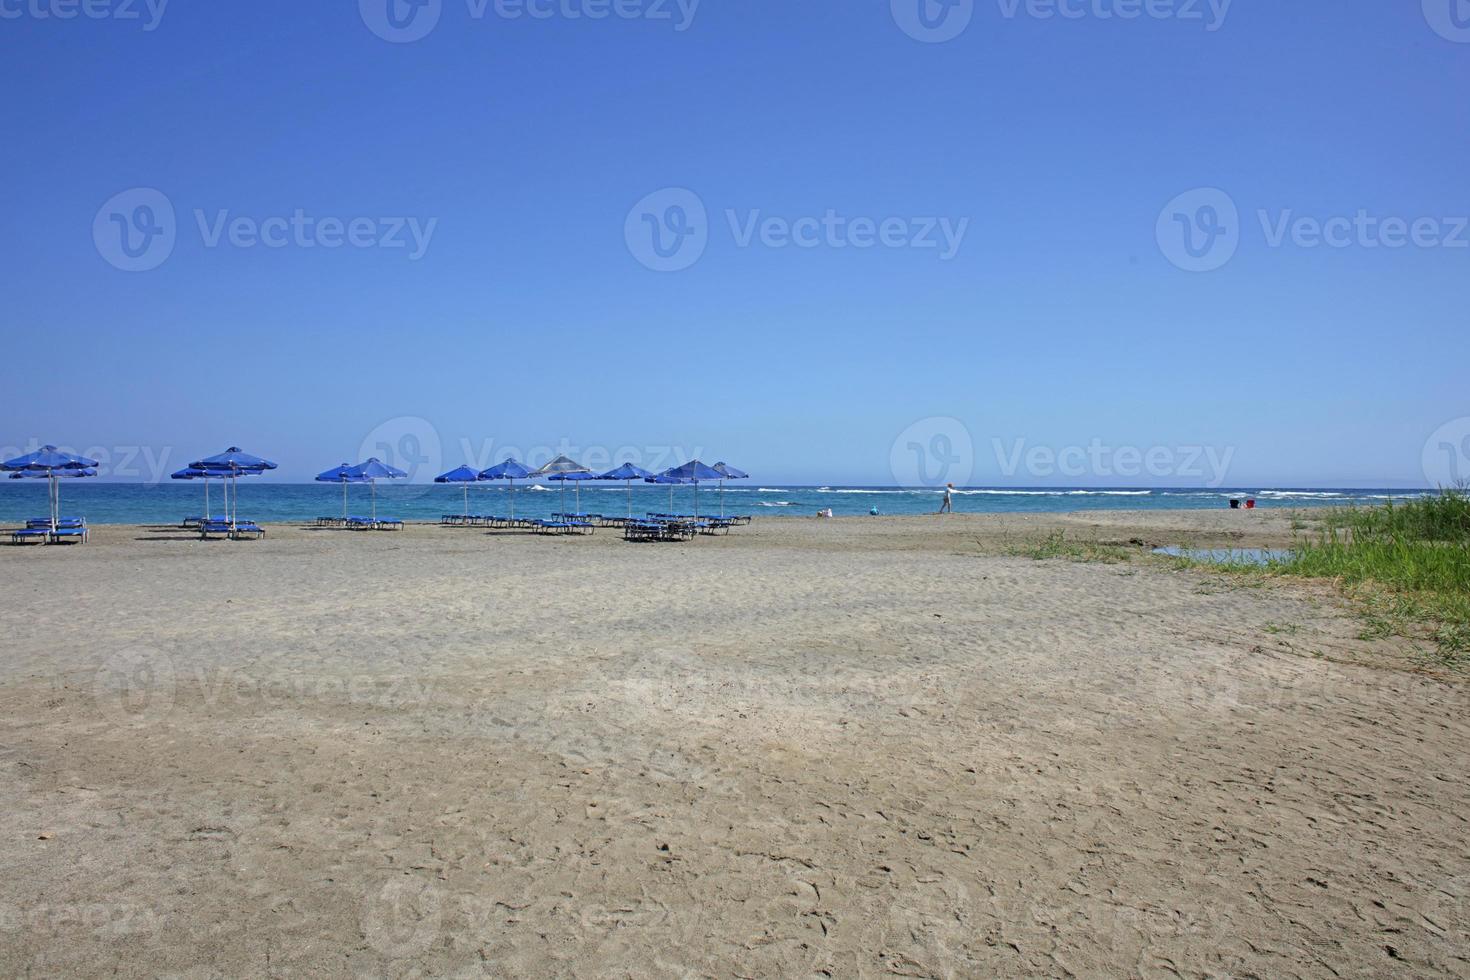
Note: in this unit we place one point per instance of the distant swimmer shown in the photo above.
(948, 506)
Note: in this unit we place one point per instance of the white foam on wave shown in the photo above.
(775, 503)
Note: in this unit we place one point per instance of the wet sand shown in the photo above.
(859, 747)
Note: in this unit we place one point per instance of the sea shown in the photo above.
(266, 502)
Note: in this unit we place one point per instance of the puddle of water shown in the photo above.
(1227, 556)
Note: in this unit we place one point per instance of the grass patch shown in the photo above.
(1058, 545)
(1407, 566)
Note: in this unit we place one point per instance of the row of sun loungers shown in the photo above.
(362, 523)
(39, 530)
(236, 531)
(650, 527)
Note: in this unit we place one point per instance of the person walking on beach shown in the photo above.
(948, 506)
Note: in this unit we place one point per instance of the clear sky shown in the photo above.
(1035, 286)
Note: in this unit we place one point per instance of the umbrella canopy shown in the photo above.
(372, 471)
(341, 473)
(512, 469)
(560, 467)
(49, 458)
(693, 472)
(627, 473)
(234, 463)
(51, 464)
(464, 475)
(233, 460)
(727, 472)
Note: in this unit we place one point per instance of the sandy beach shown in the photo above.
(859, 747)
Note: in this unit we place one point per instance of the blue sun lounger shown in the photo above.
(26, 534)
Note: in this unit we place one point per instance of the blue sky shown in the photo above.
(530, 153)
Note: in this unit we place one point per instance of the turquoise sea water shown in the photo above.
(260, 500)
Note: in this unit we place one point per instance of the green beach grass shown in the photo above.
(1407, 564)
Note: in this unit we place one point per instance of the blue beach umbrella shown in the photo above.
(627, 473)
(464, 475)
(341, 473)
(693, 472)
(558, 468)
(374, 470)
(512, 469)
(51, 464)
(233, 463)
(727, 472)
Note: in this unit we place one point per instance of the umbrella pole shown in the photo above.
(374, 485)
(55, 500)
(512, 499)
(722, 497)
(629, 485)
(344, 500)
(466, 500)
